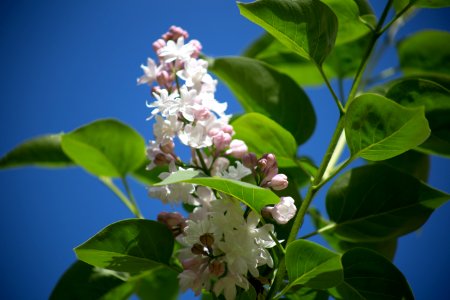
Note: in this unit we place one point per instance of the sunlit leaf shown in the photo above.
(376, 202)
(425, 52)
(105, 148)
(312, 265)
(259, 88)
(308, 27)
(377, 128)
(436, 100)
(370, 276)
(132, 245)
(253, 196)
(305, 293)
(43, 151)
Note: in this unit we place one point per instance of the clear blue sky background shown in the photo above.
(66, 63)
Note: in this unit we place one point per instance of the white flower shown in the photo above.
(165, 129)
(284, 210)
(193, 73)
(150, 72)
(165, 104)
(195, 136)
(228, 284)
(173, 51)
(236, 173)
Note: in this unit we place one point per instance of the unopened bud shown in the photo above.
(227, 128)
(167, 147)
(284, 210)
(158, 44)
(207, 240)
(217, 268)
(162, 159)
(197, 48)
(278, 182)
(174, 221)
(221, 140)
(249, 160)
(237, 149)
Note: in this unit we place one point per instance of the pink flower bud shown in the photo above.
(221, 140)
(278, 182)
(249, 160)
(158, 44)
(174, 33)
(227, 128)
(202, 113)
(237, 149)
(163, 78)
(167, 147)
(284, 210)
(162, 159)
(197, 48)
(174, 221)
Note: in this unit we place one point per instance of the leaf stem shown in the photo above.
(335, 97)
(320, 230)
(202, 162)
(131, 197)
(110, 184)
(397, 16)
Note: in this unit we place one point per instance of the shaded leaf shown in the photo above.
(411, 162)
(436, 100)
(370, 276)
(308, 27)
(312, 265)
(254, 128)
(83, 281)
(377, 128)
(376, 202)
(43, 151)
(431, 3)
(132, 245)
(259, 88)
(105, 148)
(387, 248)
(253, 196)
(414, 53)
(304, 293)
(149, 177)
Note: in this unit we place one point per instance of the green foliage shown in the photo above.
(311, 265)
(378, 128)
(251, 195)
(375, 203)
(259, 88)
(309, 27)
(44, 151)
(414, 53)
(370, 276)
(132, 246)
(105, 148)
(436, 100)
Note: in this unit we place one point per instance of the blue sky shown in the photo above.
(67, 63)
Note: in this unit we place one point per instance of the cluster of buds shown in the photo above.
(265, 171)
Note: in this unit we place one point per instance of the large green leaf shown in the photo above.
(83, 281)
(370, 276)
(105, 148)
(132, 245)
(312, 265)
(253, 196)
(431, 3)
(411, 162)
(377, 128)
(304, 293)
(387, 247)
(349, 14)
(149, 177)
(308, 27)
(254, 128)
(158, 283)
(259, 88)
(436, 100)
(376, 202)
(425, 52)
(43, 151)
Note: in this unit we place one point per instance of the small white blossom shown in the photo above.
(150, 72)
(178, 51)
(236, 173)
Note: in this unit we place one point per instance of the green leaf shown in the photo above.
(308, 27)
(370, 276)
(254, 128)
(425, 52)
(377, 128)
(158, 283)
(253, 196)
(411, 162)
(132, 245)
(259, 88)
(312, 265)
(375, 203)
(436, 100)
(83, 281)
(307, 294)
(387, 248)
(348, 14)
(432, 3)
(105, 148)
(149, 177)
(43, 151)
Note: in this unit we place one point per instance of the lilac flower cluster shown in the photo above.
(221, 245)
